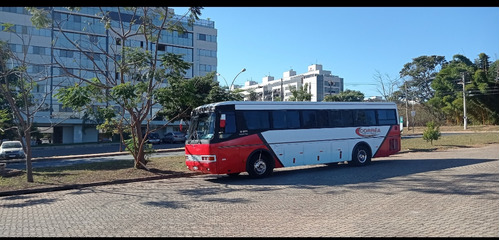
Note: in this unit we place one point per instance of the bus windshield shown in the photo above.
(202, 126)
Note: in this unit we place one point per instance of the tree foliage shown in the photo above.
(183, 95)
(18, 103)
(345, 96)
(431, 133)
(419, 74)
(481, 90)
(301, 94)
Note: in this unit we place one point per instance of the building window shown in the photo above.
(38, 69)
(64, 109)
(202, 37)
(66, 53)
(38, 50)
(93, 39)
(161, 47)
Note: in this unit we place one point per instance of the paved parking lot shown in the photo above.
(426, 194)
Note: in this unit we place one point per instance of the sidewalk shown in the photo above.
(84, 155)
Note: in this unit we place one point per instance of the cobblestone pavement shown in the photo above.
(421, 194)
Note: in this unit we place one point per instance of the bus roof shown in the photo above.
(270, 105)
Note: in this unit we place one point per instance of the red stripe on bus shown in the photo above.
(231, 155)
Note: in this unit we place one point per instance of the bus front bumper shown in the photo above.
(194, 163)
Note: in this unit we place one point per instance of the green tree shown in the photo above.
(300, 94)
(345, 96)
(419, 74)
(481, 90)
(431, 133)
(7, 125)
(252, 95)
(141, 72)
(182, 96)
(17, 91)
(417, 78)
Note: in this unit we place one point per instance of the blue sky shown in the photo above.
(354, 43)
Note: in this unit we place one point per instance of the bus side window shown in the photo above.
(335, 118)
(308, 118)
(387, 117)
(230, 126)
(364, 117)
(347, 118)
(256, 120)
(279, 119)
(322, 118)
(292, 119)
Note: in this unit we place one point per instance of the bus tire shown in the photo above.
(361, 155)
(259, 165)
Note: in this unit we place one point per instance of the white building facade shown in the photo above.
(319, 84)
(43, 47)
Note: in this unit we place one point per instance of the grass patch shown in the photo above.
(449, 141)
(86, 173)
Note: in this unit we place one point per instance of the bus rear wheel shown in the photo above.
(259, 166)
(361, 156)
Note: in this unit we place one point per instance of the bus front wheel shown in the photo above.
(361, 155)
(259, 165)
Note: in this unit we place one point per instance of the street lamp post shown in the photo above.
(218, 74)
(231, 87)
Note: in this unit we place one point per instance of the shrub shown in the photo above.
(431, 132)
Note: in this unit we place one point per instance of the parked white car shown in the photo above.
(11, 150)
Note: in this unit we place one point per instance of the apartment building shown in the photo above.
(319, 83)
(44, 47)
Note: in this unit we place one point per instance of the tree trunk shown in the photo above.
(27, 144)
(140, 161)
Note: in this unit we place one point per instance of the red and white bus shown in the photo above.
(256, 137)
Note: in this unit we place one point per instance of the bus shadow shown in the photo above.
(377, 172)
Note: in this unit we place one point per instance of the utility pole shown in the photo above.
(465, 107)
(406, 98)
